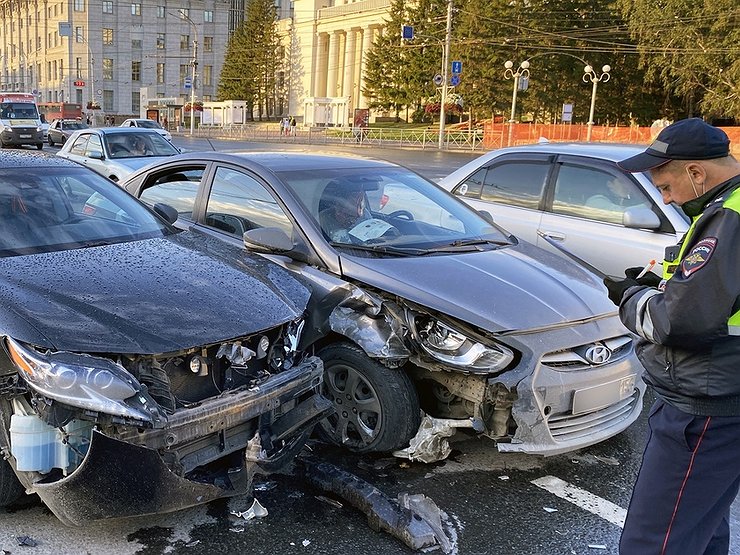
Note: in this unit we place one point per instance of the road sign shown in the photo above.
(407, 32)
(65, 29)
(188, 84)
(438, 79)
(456, 67)
(455, 80)
(567, 113)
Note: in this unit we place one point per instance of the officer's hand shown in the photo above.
(617, 287)
(650, 279)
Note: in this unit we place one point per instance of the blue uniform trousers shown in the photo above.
(689, 477)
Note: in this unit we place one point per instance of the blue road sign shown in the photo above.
(407, 32)
(188, 83)
(455, 80)
(456, 67)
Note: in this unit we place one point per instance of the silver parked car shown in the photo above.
(115, 152)
(574, 194)
(62, 129)
(418, 301)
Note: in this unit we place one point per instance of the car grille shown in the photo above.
(577, 358)
(567, 427)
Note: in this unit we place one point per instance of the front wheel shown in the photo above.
(10, 488)
(40, 146)
(51, 141)
(377, 408)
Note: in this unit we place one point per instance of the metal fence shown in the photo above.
(371, 136)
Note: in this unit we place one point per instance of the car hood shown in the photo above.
(512, 288)
(144, 297)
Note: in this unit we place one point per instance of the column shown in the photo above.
(349, 67)
(367, 41)
(319, 79)
(333, 70)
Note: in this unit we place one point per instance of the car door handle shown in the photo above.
(553, 235)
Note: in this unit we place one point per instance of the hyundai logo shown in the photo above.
(598, 354)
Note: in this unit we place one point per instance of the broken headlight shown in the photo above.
(456, 349)
(82, 381)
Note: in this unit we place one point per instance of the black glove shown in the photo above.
(649, 279)
(617, 287)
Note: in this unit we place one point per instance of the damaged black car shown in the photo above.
(143, 369)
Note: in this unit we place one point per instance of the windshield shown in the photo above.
(74, 125)
(18, 110)
(134, 145)
(149, 124)
(62, 208)
(390, 210)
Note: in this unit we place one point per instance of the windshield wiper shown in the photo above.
(381, 249)
(467, 245)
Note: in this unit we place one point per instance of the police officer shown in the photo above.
(688, 325)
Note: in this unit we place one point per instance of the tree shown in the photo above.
(252, 60)
(691, 49)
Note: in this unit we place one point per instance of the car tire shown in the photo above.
(377, 407)
(10, 488)
(51, 141)
(40, 146)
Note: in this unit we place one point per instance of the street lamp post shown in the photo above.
(509, 73)
(194, 65)
(590, 75)
(445, 75)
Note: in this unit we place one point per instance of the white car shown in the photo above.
(115, 152)
(147, 124)
(577, 196)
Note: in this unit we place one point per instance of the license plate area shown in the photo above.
(25, 136)
(597, 397)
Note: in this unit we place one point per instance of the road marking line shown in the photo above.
(584, 499)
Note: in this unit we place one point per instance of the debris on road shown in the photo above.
(332, 502)
(413, 519)
(596, 546)
(430, 442)
(550, 510)
(26, 541)
(255, 511)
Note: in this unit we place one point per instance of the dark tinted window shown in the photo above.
(596, 194)
(515, 183)
(178, 188)
(473, 185)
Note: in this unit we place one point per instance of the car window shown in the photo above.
(515, 183)
(93, 144)
(595, 194)
(473, 185)
(178, 188)
(78, 147)
(238, 203)
(60, 208)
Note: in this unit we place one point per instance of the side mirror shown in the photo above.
(640, 218)
(166, 211)
(96, 154)
(268, 239)
(486, 215)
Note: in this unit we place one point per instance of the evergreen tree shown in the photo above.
(252, 60)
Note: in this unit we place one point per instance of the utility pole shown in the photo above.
(445, 75)
(194, 65)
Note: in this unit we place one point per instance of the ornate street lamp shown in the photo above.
(522, 71)
(590, 75)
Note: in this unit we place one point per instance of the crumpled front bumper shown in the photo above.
(128, 476)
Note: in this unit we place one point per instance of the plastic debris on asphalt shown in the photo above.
(255, 511)
(306, 543)
(550, 510)
(332, 502)
(596, 546)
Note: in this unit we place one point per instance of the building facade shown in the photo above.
(120, 58)
(327, 56)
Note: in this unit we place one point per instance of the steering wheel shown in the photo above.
(402, 213)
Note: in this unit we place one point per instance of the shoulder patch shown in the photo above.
(699, 256)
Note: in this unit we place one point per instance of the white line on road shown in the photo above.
(584, 499)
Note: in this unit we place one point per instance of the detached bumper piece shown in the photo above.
(139, 473)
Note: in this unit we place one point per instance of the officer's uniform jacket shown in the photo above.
(690, 331)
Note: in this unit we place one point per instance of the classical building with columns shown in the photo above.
(326, 51)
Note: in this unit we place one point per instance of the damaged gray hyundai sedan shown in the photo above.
(424, 305)
(142, 369)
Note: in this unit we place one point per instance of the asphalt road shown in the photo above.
(491, 503)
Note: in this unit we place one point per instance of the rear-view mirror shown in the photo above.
(640, 218)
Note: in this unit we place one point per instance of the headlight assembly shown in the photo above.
(456, 349)
(83, 381)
